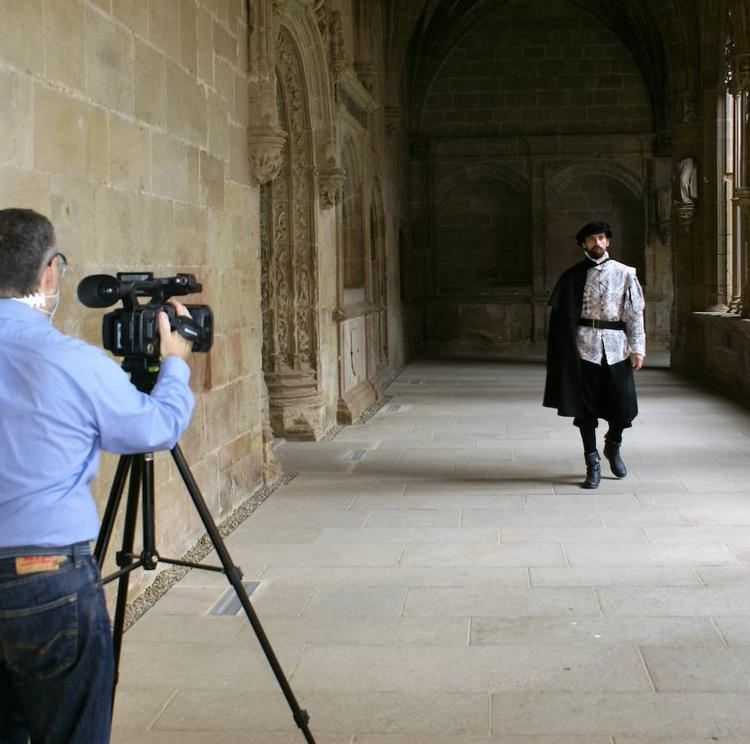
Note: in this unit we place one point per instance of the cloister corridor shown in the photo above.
(436, 576)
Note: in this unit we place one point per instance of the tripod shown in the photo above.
(141, 470)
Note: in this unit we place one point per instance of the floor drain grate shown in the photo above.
(230, 604)
(355, 454)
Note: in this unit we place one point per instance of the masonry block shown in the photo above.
(65, 45)
(69, 136)
(110, 63)
(133, 13)
(150, 84)
(169, 166)
(129, 161)
(164, 27)
(16, 119)
(187, 117)
(24, 47)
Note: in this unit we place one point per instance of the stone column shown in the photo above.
(265, 138)
(739, 88)
(265, 151)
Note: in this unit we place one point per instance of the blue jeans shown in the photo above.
(56, 663)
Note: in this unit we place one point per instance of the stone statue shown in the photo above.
(688, 172)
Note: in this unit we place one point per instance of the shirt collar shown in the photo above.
(11, 309)
(598, 261)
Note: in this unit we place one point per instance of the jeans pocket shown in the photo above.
(40, 642)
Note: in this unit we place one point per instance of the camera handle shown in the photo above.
(140, 467)
(186, 327)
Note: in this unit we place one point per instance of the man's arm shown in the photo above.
(130, 421)
(633, 316)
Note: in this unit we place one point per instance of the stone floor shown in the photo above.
(437, 576)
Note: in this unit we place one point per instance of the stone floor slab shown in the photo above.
(473, 669)
(500, 602)
(436, 713)
(594, 631)
(495, 599)
(640, 575)
(684, 716)
(691, 669)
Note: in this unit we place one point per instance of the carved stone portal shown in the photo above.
(289, 267)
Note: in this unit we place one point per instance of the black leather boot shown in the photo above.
(612, 453)
(593, 470)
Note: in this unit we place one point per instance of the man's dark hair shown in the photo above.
(25, 240)
(593, 228)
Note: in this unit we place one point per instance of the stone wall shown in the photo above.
(174, 135)
(125, 123)
(537, 69)
(719, 353)
(502, 176)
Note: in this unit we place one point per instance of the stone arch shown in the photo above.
(568, 172)
(298, 22)
(289, 274)
(463, 173)
(483, 215)
(586, 190)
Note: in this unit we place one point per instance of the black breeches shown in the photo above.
(607, 392)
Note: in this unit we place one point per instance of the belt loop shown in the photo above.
(78, 553)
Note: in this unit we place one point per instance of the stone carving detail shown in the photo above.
(331, 185)
(688, 173)
(321, 16)
(289, 274)
(266, 152)
(368, 75)
(337, 48)
(687, 180)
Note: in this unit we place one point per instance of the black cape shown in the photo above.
(563, 386)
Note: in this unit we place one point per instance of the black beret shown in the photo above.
(593, 228)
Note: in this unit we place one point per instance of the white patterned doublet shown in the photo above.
(612, 292)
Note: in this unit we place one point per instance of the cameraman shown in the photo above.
(61, 401)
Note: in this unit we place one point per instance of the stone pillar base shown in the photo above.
(297, 408)
(354, 401)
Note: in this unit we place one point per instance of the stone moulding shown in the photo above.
(265, 152)
(354, 96)
(686, 214)
(331, 186)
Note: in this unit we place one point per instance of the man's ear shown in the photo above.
(47, 279)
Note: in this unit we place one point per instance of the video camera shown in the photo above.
(133, 330)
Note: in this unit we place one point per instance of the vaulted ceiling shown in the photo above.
(660, 35)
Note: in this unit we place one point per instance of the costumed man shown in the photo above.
(595, 342)
(61, 402)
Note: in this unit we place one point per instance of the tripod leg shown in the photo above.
(113, 504)
(149, 556)
(234, 575)
(125, 559)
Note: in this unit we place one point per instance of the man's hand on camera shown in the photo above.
(171, 342)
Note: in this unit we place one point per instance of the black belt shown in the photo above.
(610, 325)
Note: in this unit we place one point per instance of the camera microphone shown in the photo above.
(99, 290)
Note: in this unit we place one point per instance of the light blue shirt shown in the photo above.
(61, 402)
